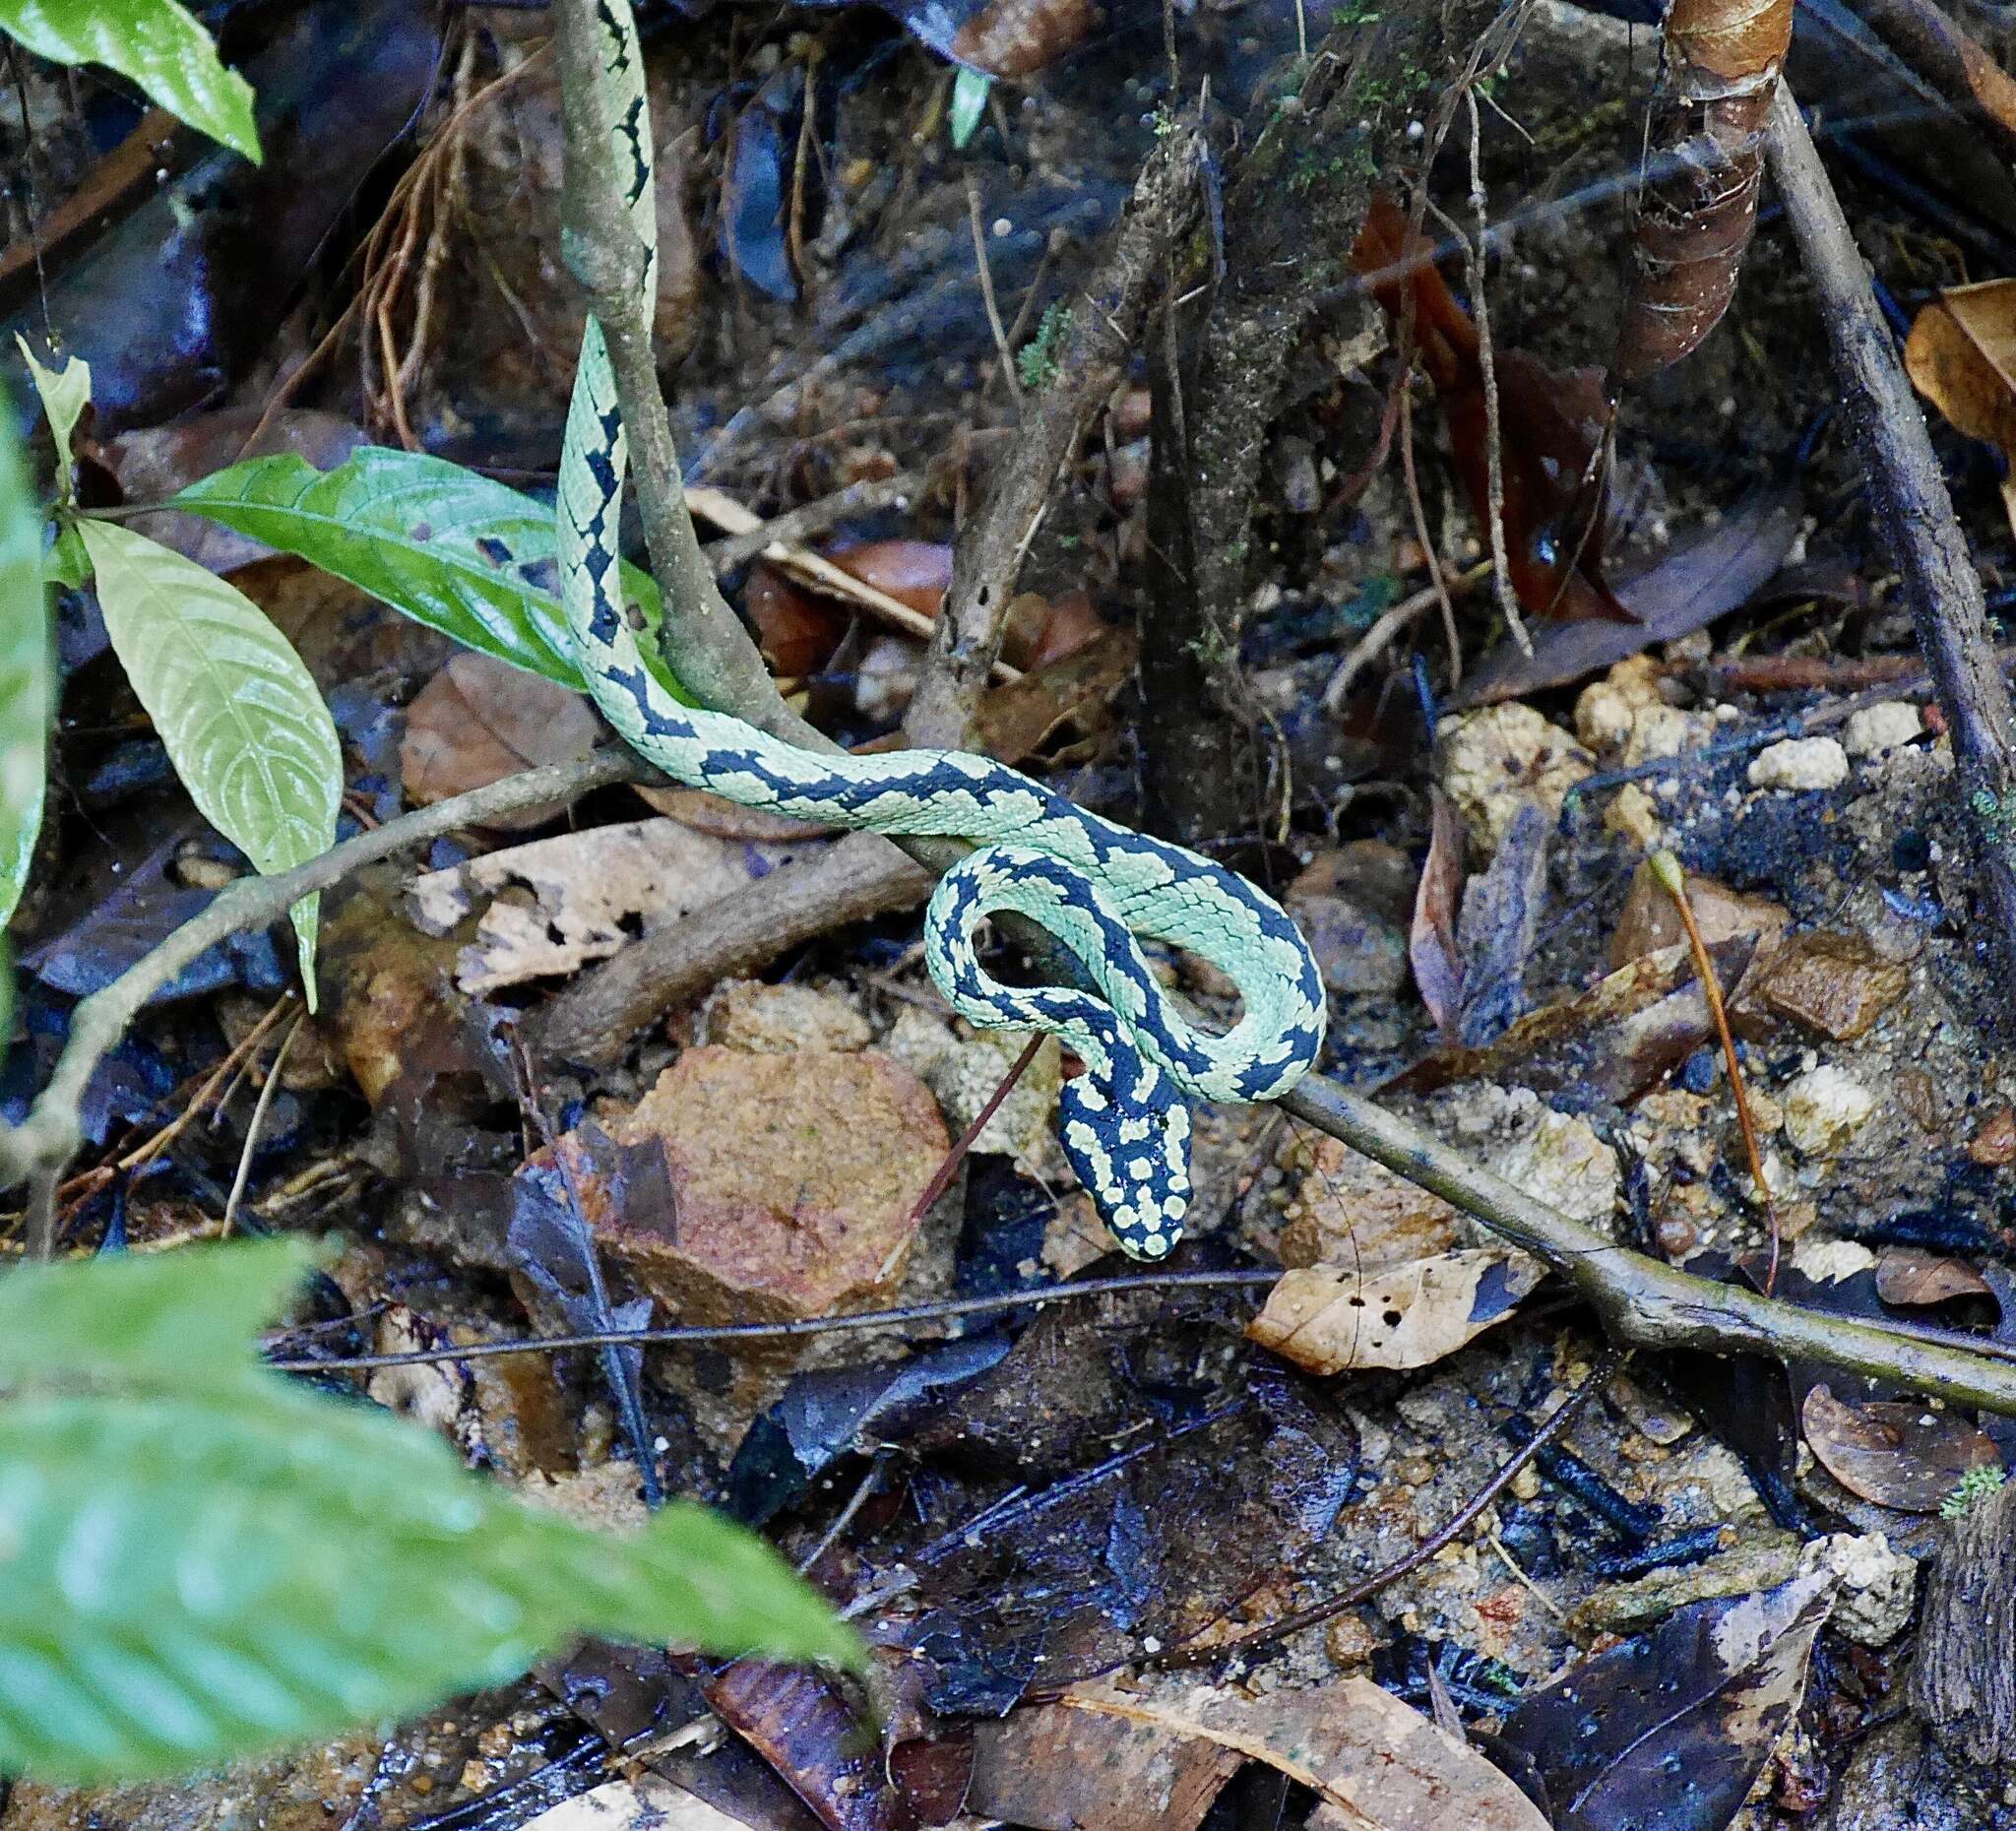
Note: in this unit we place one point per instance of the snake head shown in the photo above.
(1131, 1149)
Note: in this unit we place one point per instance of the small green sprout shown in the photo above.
(1971, 1486)
(1037, 361)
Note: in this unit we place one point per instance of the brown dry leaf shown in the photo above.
(1057, 1769)
(1961, 356)
(1613, 1041)
(582, 896)
(649, 1804)
(1908, 1275)
(1649, 920)
(1328, 1318)
(1379, 1763)
(1014, 721)
(916, 573)
(1906, 1456)
(1432, 945)
(796, 631)
(481, 719)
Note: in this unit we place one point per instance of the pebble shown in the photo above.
(1824, 1110)
(1801, 763)
(1875, 729)
(778, 1020)
(1994, 1143)
(1496, 761)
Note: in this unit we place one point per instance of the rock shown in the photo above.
(1345, 912)
(1626, 718)
(1875, 729)
(1824, 1108)
(1633, 818)
(1878, 1586)
(790, 1182)
(1347, 1210)
(779, 1020)
(1665, 732)
(1494, 762)
(1801, 763)
(964, 1071)
(1834, 984)
(1607, 712)
(1561, 1160)
(1650, 922)
(1994, 1143)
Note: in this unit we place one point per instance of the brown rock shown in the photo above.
(786, 1185)
(1833, 983)
(1994, 1144)
(1650, 920)
(1344, 905)
(1348, 1210)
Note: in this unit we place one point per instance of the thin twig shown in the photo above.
(1437, 583)
(1473, 254)
(793, 525)
(47, 1138)
(1374, 642)
(1608, 1364)
(964, 1142)
(698, 1334)
(257, 1124)
(973, 218)
(1915, 514)
(1674, 881)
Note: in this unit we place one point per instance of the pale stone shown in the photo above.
(1801, 763)
(1877, 729)
(1824, 1110)
(1878, 1586)
(1496, 761)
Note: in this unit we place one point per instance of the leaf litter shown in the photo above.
(1016, 1508)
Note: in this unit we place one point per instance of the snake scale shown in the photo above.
(1124, 1123)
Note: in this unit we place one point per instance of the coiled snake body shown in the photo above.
(1124, 1123)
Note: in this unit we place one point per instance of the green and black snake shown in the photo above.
(1124, 1123)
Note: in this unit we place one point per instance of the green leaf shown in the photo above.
(64, 561)
(66, 393)
(970, 91)
(27, 684)
(198, 1569)
(159, 44)
(242, 721)
(182, 1319)
(451, 549)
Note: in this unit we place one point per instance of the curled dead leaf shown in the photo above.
(1961, 356)
(1908, 1275)
(1328, 1318)
(1905, 1456)
(481, 719)
(1431, 944)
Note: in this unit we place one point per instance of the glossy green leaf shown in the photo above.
(27, 684)
(970, 92)
(65, 563)
(449, 549)
(195, 1568)
(65, 394)
(181, 1319)
(157, 43)
(243, 723)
